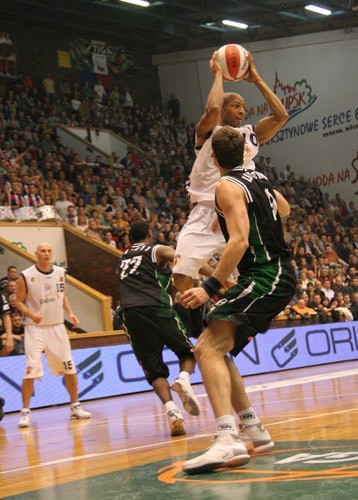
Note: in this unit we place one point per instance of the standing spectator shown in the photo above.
(49, 86)
(42, 301)
(99, 92)
(128, 101)
(62, 204)
(174, 107)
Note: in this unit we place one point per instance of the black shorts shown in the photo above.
(149, 333)
(254, 302)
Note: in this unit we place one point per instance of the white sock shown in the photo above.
(226, 424)
(248, 416)
(184, 375)
(170, 405)
(75, 404)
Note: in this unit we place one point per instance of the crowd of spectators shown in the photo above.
(103, 200)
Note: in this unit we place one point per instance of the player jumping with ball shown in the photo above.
(201, 237)
(197, 241)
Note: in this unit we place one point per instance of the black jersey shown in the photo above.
(141, 282)
(266, 239)
(4, 306)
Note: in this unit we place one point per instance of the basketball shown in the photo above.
(233, 61)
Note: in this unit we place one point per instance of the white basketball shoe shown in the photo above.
(187, 395)
(227, 451)
(78, 412)
(24, 418)
(176, 422)
(255, 437)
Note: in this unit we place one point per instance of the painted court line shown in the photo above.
(296, 381)
(254, 388)
(162, 443)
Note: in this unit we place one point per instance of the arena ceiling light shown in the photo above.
(139, 3)
(318, 10)
(235, 24)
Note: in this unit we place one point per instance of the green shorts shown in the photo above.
(255, 301)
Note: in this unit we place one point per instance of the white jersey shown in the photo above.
(205, 175)
(45, 294)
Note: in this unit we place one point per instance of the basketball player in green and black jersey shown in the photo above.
(249, 212)
(151, 322)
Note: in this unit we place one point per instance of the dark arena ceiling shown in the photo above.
(176, 25)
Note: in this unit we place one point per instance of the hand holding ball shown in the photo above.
(234, 62)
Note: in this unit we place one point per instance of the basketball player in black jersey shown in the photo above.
(249, 213)
(151, 322)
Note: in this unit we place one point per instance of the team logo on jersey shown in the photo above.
(32, 280)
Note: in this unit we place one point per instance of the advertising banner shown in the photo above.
(114, 371)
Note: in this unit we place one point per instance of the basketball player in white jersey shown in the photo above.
(42, 301)
(201, 236)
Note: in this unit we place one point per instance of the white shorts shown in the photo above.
(197, 242)
(55, 342)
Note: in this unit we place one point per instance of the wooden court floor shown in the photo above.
(125, 451)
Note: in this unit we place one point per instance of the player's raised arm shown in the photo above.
(214, 102)
(267, 127)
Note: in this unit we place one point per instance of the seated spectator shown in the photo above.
(338, 285)
(82, 223)
(123, 242)
(354, 306)
(333, 259)
(302, 310)
(12, 274)
(18, 333)
(311, 277)
(318, 289)
(71, 216)
(310, 290)
(347, 300)
(13, 196)
(10, 288)
(12, 299)
(93, 230)
(32, 198)
(333, 310)
(108, 239)
(327, 290)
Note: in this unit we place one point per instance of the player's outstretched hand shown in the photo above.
(194, 297)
